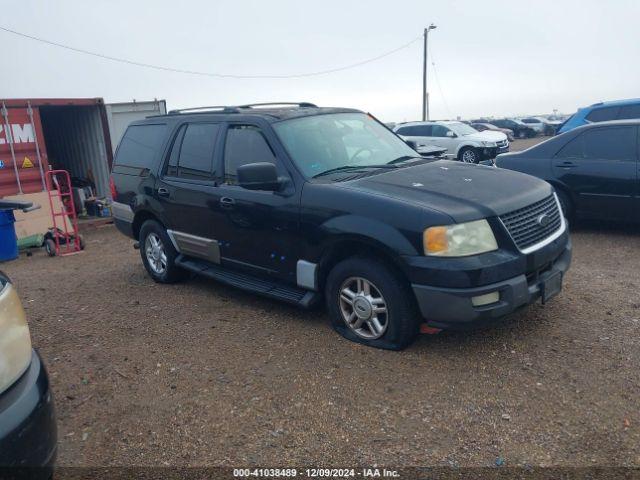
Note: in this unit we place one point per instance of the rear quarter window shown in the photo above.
(140, 146)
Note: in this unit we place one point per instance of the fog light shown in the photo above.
(485, 299)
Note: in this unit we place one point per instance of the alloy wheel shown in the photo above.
(155, 253)
(469, 156)
(363, 308)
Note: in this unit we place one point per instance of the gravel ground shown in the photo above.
(199, 374)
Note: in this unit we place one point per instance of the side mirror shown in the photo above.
(413, 144)
(259, 176)
(450, 134)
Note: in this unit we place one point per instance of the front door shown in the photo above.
(258, 228)
(600, 167)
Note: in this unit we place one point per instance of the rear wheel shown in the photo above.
(369, 304)
(158, 253)
(469, 155)
(522, 134)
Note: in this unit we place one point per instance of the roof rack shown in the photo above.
(288, 104)
(212, 109)
(236, 109)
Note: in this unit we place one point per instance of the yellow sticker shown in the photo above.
(27, 163)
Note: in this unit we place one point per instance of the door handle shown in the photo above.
(163, 192)
(568, 165)
(226, 202)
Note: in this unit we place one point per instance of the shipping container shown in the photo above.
(120, 115)
(68, 134)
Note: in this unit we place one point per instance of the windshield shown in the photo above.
(326, 142)
(462, 128)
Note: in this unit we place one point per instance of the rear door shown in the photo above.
(187, 189)
(601, 168)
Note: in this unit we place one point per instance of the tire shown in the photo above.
(400, 321)
(469, 155)
(565, 204)
(50, 247)
(522, 134)
(159, 255)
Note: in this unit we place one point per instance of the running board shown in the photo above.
(269, 288)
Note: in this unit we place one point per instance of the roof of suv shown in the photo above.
(269, 111)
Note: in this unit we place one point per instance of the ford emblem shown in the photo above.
(544, 220)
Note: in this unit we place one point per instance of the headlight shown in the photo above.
(488, 144)
(459, 240)
(15, 341)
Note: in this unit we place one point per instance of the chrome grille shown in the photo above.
(501, 143)
(524, 224)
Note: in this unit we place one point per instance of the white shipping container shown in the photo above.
(120, 115)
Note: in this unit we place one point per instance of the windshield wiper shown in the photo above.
(403, 158)
(350, 167)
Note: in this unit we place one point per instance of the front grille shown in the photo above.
(502, 143)
(524, 224)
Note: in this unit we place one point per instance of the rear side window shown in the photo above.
(140, 146)
(615, 143)
(192, 151)
(415, 131)
(603, 114)
(245, 144)
(629, 111)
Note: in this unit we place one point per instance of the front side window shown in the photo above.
(439, 131)
(319, 143)
(244, 144)
(629, 111)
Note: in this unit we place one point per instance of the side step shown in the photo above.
(269, 288)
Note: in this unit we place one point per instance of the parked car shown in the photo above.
(305, 204)
(481, 127)
(535, 123)
(461, 141)
(27, 423)
(519, 129)
(593, 169)
(603, 112)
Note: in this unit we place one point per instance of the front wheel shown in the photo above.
(158, 253)
(370, 304)
(469, 155)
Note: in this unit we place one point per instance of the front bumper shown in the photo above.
(452, 308)
(28, 432)
(488, 153)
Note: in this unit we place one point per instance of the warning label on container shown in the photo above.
(27, 163)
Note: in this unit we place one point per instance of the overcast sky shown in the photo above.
(491, 57)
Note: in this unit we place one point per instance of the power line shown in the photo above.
(208, 74)
(435, 71)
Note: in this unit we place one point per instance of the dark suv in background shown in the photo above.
(302, 204)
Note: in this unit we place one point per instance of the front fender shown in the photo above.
(356, 227)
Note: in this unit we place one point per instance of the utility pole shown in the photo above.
(425, 92)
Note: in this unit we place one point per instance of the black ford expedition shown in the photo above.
(302, 203)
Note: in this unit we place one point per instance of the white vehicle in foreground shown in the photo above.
(461, 141)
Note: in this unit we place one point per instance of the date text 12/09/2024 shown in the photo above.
(316, 472)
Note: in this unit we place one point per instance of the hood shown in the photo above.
(464, 192)
(487, 136)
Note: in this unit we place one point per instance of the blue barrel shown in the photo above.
(8, 241)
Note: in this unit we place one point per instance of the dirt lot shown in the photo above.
(202, 374)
